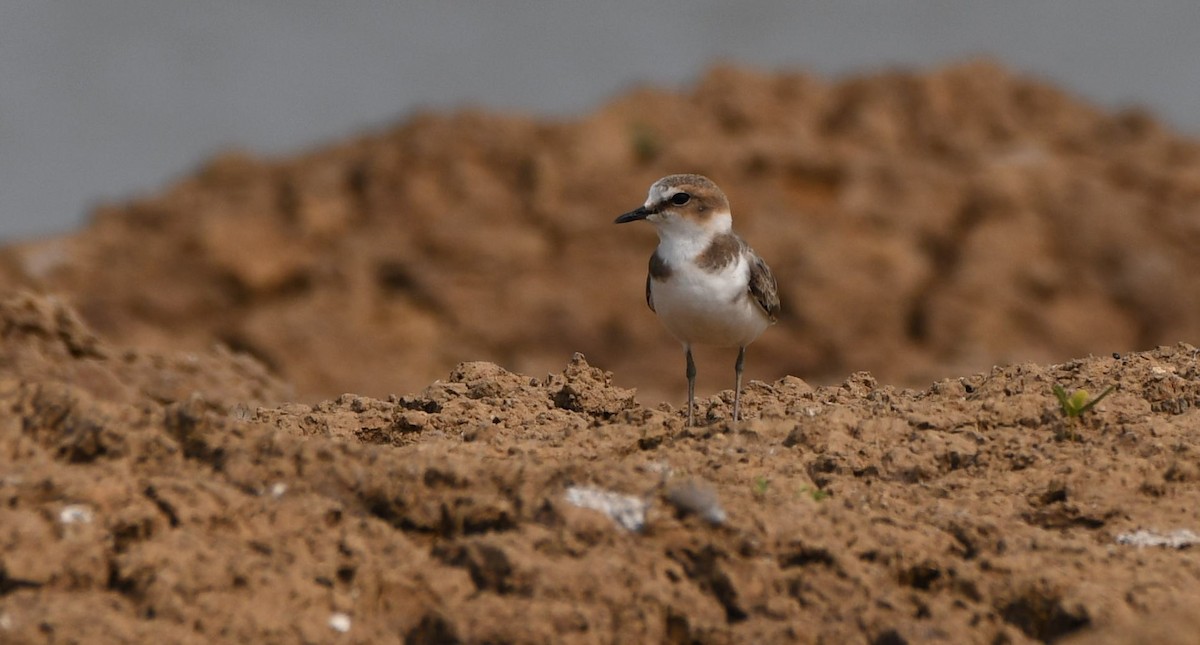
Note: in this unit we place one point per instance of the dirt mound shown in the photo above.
(474, 511)
(43, 341)
(156, 486)
(919, 225)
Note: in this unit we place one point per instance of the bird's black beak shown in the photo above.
(634, 215)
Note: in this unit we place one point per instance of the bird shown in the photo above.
(705, 283)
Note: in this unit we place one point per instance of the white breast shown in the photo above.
(708, 308)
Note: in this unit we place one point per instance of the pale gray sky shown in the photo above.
(104, 99)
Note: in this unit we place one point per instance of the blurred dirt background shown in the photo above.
(178, 462)
(919, 225)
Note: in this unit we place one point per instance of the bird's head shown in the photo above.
(689, 205)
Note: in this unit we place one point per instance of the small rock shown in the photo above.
(1178, 539)
(75, 514)
(696, 496)
(626, 510)
(339, 622)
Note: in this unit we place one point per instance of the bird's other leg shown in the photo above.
(737, 383)
(691, 378)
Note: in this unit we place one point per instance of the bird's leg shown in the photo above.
(691, 377)
(737, 382)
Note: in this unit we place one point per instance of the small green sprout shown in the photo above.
(646, 143)
(1075, 404)
(760, 487)
(816, 494)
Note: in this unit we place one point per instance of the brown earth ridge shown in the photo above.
(176, 463)
(920, 225)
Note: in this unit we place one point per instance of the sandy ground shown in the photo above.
(177, 463)
(496, 507)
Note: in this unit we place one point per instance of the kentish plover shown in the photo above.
(706, 284)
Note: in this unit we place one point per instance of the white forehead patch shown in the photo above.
(660, 193)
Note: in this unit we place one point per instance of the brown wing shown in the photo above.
(763, 287)
(649, 296)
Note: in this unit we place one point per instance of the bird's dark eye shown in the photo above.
(679, 199)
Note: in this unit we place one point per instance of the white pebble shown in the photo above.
(339, 622)
(1178, 539)
(75, 514)
(626, 510)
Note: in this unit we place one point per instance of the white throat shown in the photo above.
(682, 239)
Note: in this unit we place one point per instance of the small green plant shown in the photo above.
(816, 494)
(760, 487)
(1078, 402)
(646, 143)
